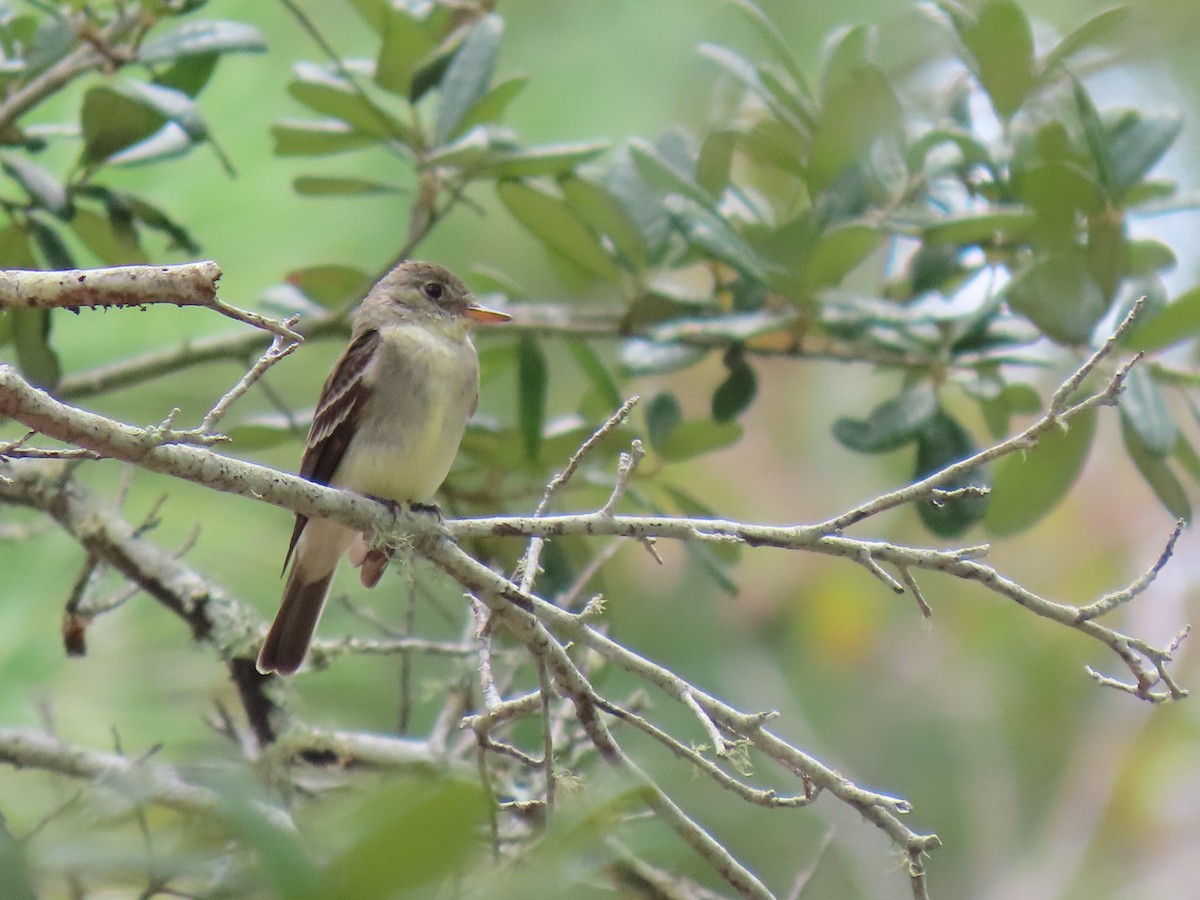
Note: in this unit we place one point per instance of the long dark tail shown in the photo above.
(287, 642)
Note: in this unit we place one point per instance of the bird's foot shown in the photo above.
(429, 509)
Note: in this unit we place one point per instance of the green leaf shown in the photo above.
(197, 38)
(665, 175)
(31, 340)
(552, 222)
(50, 244)
(327, 185)
(468, 76)
(838, 251)
(43, 188)
(331, 286)
(490, 108)
(1093, 133)
(532, 381)
(156, 220)
(735, 327)
(1093, 31)
(1157, 473)
(697, 437)
(855, 112)
(642, 204)
(715, 161)
(1176, 322)
(1028, 485)
(1135, 143)
(550, 159)
(941, 442)
(1000, 226)
(1149, 257)
(847, 49)
(1144, 409)
(771, 36)
(1060, 296)
(713, 234)
(595, 370)
(663, 416)
(891, 424)
(605, 214)
(174, 106)
(190, 74)
(735, 393)
(405, 43)
(331, 95)
(1001, 44)
(111, 121)
(264, 432)
(115, 243)
(649, 357)
(322, 138)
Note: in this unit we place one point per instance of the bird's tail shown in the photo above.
(287, 642)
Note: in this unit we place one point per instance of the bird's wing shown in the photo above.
(335, 419)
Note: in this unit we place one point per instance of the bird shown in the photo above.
(387, 424)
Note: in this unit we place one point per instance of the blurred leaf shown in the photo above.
(649, 357)
(1144, 409)
(1136, 142)
(697, 437)
(327, 185)
(156, 220)
(552, 222)
(838, 251)
(847, 49)
(37, 360)
(1149, 257)
(111, 121)
(736, 392)
(1060, 296)
(14, 870)
(1028, 485)
(631, 191)
(663, 416)
(771, 36)
(373, 12)
(891, 424)
(491, 106)
(709, 559)
(405, 42)
(532, 381)
(468, 76)
(263, 432)
(1178, 321)
(666, 175)
(855, 112)
(189, 74)
(746, 74)
(550, 159)
(941, 442)
(1157, 473)
(332, 286)
(331, 95)
(724, 554)
(174, 106)
(1093, 132)
(604, 213)
(970, 148)
(196, 38)
(713, 234)
(50, 244)
(1093, 31)
(595, 370)
(734, 327)
(1001, 44)
(998, 226)
(168, 142)
(1186, 454)
(714, 162)
(113, 244)
(43, 188)
(324, 138)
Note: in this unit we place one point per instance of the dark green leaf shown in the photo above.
(736, 392)
(190, 74)
(697, 437)
(1157, 473)
(1060, 296)
(552, 222)
(1001, 44)
(156, 220)
(331, 286)
(1144, 409)
(50, 244)
(172, 105)
(113, 242)
(31, 340)
(1178, 321)
(942, 442)
(468, 76)
(595, 370)
(43, 188)
(663, 416)
(327, 185)
(1030, 484)
(405, 43)
(198, 38)
(602, 211)
(532, 381)
(324, 138)
(112, 121)
(642, 357)
(891, 424)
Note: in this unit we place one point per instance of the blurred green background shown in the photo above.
(1040, 783)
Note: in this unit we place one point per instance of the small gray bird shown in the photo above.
(388, 424)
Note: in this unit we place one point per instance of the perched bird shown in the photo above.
(387, 424)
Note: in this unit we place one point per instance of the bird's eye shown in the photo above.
(433, 290)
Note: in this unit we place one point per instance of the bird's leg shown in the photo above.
(429, 509)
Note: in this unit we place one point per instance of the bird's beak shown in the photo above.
(483, 315)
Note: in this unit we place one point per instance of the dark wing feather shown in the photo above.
(335, 419)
